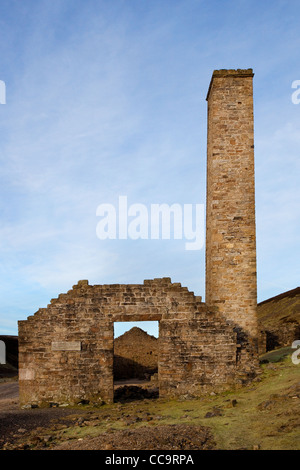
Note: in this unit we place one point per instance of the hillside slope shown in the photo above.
(280, 317)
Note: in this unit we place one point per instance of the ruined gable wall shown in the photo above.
(66, 350)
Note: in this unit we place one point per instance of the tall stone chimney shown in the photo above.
(230, 206)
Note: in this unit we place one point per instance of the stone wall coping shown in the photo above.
(222, 73)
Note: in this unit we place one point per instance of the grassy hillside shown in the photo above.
(280, 309)
(280, 317)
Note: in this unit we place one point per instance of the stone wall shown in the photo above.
(66, 349)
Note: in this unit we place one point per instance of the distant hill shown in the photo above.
(279, 316)
(135, 354)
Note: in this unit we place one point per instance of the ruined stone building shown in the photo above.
(66, 350)
(135, 355)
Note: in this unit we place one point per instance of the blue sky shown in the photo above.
(107, 98)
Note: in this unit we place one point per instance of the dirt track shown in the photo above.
(9, 396)
(15, 422)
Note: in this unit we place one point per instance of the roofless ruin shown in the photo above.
(66, 350)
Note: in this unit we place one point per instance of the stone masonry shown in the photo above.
(230, 207)
(66, 350)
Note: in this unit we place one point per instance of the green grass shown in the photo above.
(250, 424)
(277, 355)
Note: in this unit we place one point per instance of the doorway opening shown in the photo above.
(136, 351)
